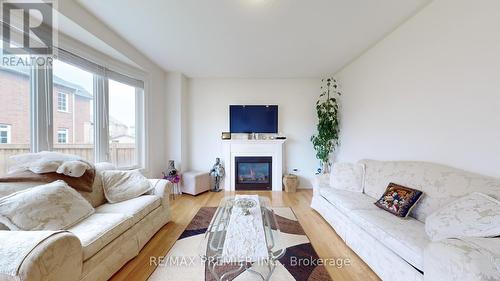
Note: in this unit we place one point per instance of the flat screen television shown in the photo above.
(253, 119)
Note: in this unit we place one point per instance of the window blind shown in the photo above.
(95, 68)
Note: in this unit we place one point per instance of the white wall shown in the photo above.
(176, 114)
(208, 115)
(429, 91)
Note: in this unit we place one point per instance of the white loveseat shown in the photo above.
(100, 245)
(399, 249)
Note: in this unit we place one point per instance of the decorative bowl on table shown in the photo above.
(245, 204)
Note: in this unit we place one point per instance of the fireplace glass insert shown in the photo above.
(253, 173)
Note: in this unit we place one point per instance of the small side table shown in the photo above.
(176, 187)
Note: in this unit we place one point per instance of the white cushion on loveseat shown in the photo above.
(405, 237)
(137, 208)
(474, 215)
(347, 176)
(347, 200)
(52, 206)
(98, 230)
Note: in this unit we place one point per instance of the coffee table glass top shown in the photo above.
(242, 236)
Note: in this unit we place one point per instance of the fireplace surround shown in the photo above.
(231, 149)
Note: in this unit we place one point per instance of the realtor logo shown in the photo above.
(36, 27)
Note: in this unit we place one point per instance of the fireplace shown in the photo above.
(253, 173)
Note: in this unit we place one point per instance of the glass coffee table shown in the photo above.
(242, 237)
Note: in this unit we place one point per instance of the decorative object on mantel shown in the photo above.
(326, 140)
(291, 182)
(217, 173)
(226, 135)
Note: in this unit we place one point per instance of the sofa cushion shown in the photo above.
(96, 197)
(137, 208)
(52, 206)
(474, 215)
(347, 176)
(98, 230)
(399, 200)
(347, 201)
(405, 237)
(124, 185)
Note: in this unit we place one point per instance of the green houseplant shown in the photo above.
(326, 139)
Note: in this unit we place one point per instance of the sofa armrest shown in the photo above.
(163, 189)
(320, 181)
(463, 259)
(57, 258)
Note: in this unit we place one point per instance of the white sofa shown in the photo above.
(399, 249)
(100, 245)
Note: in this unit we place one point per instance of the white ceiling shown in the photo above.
(253, 38)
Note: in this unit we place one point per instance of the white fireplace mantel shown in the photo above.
(266, 148)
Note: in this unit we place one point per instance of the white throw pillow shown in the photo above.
(474, 215)
(53, 206)
(124, 185)
(347, 176)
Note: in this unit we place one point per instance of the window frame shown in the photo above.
(66, 102)
(7, 128)
(102, 75)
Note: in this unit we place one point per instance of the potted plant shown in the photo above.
(326, 139)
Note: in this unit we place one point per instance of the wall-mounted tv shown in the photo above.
(253, 119)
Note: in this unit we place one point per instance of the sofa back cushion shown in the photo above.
(96, 197)
(440, 184)
(347, 176)
(52, 206)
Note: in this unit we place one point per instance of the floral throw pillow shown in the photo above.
(399, 200)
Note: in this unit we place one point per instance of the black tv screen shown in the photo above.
(253, 118)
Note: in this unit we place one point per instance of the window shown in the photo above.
(62, 135)
(123, 123)
(90, 111)
(4, 134)
(73, 88)
(62, 102)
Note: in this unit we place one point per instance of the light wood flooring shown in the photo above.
(323, 238)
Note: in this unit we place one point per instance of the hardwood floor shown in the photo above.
(323, 238)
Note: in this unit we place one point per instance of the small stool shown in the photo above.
(195, 182)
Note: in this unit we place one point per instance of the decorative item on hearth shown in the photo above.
(217, 173)
(327, 137)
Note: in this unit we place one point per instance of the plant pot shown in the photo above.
(325, 167)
